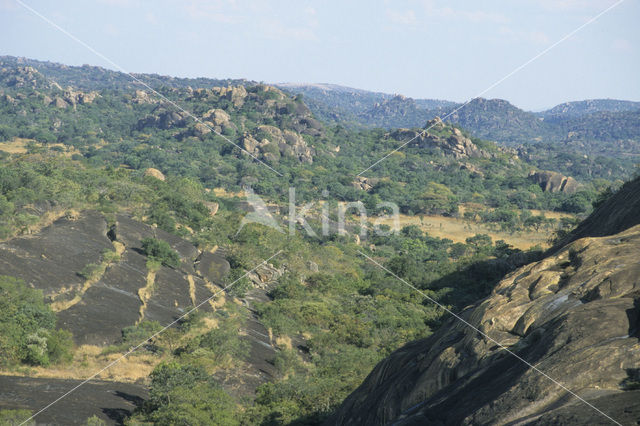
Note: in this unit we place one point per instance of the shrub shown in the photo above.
(15, 417)
(161, 251)
(27, 332)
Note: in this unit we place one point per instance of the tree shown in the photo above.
(161, 251)
(27, 327)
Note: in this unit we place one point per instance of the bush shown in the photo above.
(161, 251)
(15, 417)
(139, 332)
(27, 332)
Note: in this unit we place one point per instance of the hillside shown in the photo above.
(598, 127)
(345, 105)
(589, 106)
(574, 315)
(120, 213)
(88, 77)
(497, 119)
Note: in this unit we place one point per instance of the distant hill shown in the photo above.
(597, 127)
(499, 120)
(88, 77)
(589, 106)
(362, 108)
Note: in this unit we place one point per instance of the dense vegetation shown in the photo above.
(27, 327)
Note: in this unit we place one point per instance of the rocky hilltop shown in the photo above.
(574, 315)
(449, 139)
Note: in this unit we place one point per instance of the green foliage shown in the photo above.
(182, 394)
(220, 345)
(347, 316)
(95, 421)
(27, 327)
(90, 271)
(161, 251)
(136, 334)
(16, 417)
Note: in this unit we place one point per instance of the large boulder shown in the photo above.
(554, 182)
(154, 173)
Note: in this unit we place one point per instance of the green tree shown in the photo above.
(27, 332)
(161, 251)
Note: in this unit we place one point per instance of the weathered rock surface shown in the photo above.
(364, 183)
(52, 260)
(554, 182)
(617, 213)
(154, 173)
(110, 401)
(575, 316)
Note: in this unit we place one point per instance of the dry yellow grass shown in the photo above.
(221, 192)
(88, 359)
(458, 230)
(284, 342)
(192, 289)
(220, 299)
(145, 293)
(19, 146)
(16, 146)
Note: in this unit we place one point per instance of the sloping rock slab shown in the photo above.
(212, 266)
(108, 306)
(111, 401)
(574, 315)
(52, 258)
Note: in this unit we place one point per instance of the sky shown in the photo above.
(451, 50)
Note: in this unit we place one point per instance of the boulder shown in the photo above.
(554, 182)
(154, 173)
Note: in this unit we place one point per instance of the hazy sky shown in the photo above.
(423, 49)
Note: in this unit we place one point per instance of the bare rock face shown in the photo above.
(235, 94)
(23, 77)
(265, 275)
(619, 212)
(574, 315)
(58, 102)
(154, 173)
(554, 182)
(217, 117)
(364, 183)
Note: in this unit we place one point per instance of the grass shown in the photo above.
(145, 293)
(459, 230)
